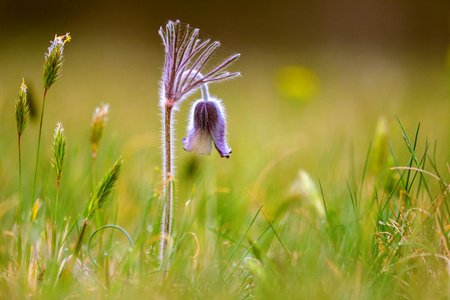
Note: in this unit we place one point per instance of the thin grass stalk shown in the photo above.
(167, 216)
(80, 240)
(97, 216)
(19, 209)
(38, 149)
(55, 216)
(33, 195)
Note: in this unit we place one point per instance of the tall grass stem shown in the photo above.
(38, 148)
(19, 208)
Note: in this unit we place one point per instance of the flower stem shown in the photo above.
(38, 148)
(19, 210)
(167, 216)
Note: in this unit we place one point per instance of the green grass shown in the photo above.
(239, 230)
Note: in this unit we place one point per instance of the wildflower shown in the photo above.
(207, 125)
(98, 125)
(54, 60)
(59, 150)
(186, 58)
(22, 109)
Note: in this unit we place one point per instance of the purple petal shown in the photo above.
(218, 135)
(207, 125)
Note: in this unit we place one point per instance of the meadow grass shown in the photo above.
(369, 220)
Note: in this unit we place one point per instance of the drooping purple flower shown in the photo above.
(185, 57)
(207, 125)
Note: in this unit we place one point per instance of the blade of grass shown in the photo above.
(247, 252)
(245, 233)
(365, 169)
(273, 229)
(323, 199)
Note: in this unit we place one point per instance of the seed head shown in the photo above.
(59, 150)
(104, 188)
(22, 109)
(185, 57)
(306, 189)
(207, 125)
(54, 60)
(97, 127)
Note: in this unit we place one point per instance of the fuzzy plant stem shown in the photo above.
(168, 175)
(19, 209)
(38, 148)
(167, 215)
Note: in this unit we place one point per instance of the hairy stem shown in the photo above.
(167, 216)
(38, 148)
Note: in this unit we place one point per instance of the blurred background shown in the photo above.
(317, 76)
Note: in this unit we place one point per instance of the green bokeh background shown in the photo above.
(316, 78)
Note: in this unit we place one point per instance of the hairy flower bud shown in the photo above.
(22, 109)
(54, 60)
(207, 125)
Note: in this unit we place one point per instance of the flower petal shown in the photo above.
(216, 126)
(207, 124)
(199, 141)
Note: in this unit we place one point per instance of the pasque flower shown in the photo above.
(207, 125)
(186, 69)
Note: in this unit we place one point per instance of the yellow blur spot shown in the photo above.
(297, 83)
(34, 210)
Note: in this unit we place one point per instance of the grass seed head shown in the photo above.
(54, 60)
(104, 188)
(22, 109)
(59, 150)
(306, 189)
(97, 127)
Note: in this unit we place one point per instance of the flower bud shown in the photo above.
(207, 125)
